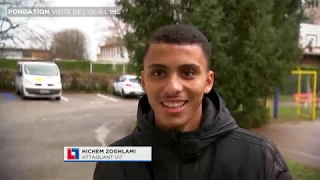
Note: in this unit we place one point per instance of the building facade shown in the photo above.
(19, 53)
(309, 35)
(310, 43)
(113, 52)
(312, 10)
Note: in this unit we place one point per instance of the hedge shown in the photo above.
(71, 81)
(7, 79)
(77, 66)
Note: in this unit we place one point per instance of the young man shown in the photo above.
(192, 134)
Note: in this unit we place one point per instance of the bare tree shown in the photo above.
(69, 44)
(10, 29)
(117, 27)
(116, 31)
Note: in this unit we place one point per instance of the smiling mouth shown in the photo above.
(174, 104)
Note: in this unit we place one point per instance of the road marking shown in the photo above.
(8, 96)
(107, 97)
(301, 153)
(101, 134)
(64, 98)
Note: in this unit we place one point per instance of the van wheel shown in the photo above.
(114, 91)
(18, 91)
(58, 98)
(22, 94)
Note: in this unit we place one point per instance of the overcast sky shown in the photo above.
(91, 26)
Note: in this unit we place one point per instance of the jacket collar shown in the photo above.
(216, 123)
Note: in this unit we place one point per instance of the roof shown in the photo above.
(112, 42)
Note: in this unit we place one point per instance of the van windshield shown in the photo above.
(41, 70)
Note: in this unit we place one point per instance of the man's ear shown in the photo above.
(210, 81)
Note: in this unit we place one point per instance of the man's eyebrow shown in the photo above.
(194, 66)
(158, 66)
(183, 66)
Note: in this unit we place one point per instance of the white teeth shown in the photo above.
(173, 104)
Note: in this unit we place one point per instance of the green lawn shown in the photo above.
(287, 113)
(303, 172)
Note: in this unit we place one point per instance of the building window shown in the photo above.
(119, 51)
(313, 4)
(124, 50)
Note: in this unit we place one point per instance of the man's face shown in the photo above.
(175, 78)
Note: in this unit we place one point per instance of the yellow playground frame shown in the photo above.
(300, 72)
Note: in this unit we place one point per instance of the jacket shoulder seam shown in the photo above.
(265, 143)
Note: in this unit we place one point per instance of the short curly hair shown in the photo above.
(182, 34)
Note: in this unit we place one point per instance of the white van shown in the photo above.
(38, 79)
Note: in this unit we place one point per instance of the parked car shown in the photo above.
(38, 79)
(128, 85)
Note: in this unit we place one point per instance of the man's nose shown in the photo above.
(173, 86)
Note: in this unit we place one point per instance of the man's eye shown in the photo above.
(189, 73)
(157, 73)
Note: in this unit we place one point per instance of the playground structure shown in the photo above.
(310, 43)
(306, 103)
(308, 99)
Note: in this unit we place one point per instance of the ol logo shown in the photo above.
(73, 153)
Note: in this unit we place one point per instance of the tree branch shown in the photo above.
(6, 33)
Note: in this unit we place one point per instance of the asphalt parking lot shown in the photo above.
(34, 132)
(299, 141)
